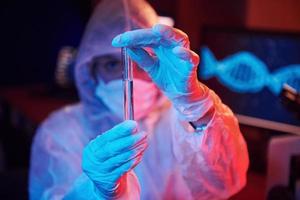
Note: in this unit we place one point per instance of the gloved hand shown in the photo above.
(111, 155)
(163, 52)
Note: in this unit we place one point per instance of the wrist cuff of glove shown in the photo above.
(193, 111)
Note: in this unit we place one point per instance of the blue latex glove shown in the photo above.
(163, 52)
(110, 155)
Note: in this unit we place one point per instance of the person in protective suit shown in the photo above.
(184, 143)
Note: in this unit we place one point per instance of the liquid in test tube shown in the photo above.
(127, 86)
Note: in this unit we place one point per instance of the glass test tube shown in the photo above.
(127, 85)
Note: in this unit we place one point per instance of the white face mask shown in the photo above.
(145, 95)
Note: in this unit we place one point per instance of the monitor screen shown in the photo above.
(248, 69)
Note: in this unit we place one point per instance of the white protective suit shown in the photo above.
(179, 163)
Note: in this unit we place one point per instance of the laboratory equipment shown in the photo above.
(127, 72)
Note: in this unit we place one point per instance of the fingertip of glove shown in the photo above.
(116, 41)
(130, 124)
(160, 28)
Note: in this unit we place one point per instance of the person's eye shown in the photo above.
(113, 66)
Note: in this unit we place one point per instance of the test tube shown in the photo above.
(127, 85)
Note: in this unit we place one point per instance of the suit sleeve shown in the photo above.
(214, 160)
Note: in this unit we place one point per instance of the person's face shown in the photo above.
(109, 67)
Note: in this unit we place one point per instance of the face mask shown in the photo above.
(145, 95)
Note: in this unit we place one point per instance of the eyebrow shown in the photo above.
(109, 56)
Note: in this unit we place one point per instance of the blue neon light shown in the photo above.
(243, 72)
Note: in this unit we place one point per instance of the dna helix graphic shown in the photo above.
(243, 72)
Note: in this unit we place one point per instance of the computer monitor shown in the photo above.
(248, 69)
